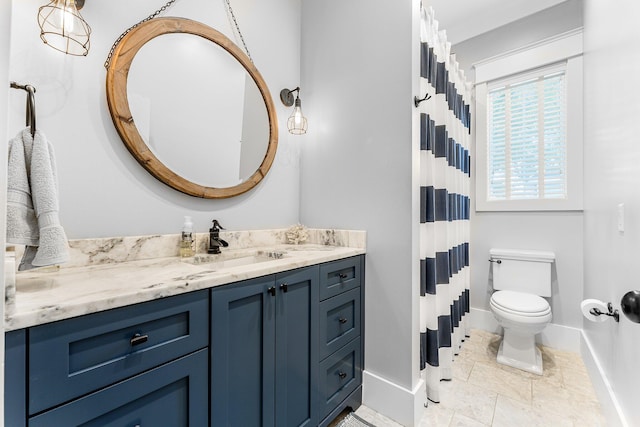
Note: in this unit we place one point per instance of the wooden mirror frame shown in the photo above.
(117, 75)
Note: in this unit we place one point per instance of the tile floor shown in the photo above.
(484, 393)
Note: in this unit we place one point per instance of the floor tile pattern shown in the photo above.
(485, 393)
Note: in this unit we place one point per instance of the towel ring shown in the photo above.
(31, 105)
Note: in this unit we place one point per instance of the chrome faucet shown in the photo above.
(215, 242)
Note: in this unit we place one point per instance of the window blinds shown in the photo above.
(527, 139)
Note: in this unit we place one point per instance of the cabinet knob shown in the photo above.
(342, 276)
(284, 287)
(342, 375)
(272, 291)
(342, 320)
(138, 339)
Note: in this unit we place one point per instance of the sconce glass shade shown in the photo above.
(63, 28)
(297, 122)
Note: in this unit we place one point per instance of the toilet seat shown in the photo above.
(520, 304)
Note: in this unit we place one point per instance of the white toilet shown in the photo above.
(520, 279)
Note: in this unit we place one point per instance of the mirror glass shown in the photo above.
(200, 113)
(192, 108)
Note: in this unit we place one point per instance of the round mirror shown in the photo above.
(192, 108)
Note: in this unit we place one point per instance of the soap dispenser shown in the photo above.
(186, 239)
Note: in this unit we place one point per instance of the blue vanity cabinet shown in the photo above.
(280, 350)
(264, 351)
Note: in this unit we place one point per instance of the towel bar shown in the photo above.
(31, 105)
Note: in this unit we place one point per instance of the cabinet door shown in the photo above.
(15, 378)
(243, 354)
(297, 347)
(174, 394)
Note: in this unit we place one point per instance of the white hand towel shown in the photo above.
(22, 225)
(32, 202)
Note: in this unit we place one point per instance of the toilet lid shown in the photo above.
(521, 302)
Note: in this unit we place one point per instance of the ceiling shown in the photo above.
(464, 19)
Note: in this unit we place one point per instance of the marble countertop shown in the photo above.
(52, 294)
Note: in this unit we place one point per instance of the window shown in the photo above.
(526, 141)
(529, 128)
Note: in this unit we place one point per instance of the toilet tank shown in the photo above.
(522, 270)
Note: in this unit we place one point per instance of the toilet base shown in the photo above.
(526, 357)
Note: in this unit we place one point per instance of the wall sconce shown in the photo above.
(63, 28)
(297, 122)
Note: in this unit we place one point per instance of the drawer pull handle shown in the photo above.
(342, 320)
(342, 375)
(284, 287)
(272, 291)
(342, 275)
(138, 339)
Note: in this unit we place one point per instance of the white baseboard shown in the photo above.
(484, 320)
(555, 336)
(393, 401)
(608, 402)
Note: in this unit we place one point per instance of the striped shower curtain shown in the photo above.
(444, 206)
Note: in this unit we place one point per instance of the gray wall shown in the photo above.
(103, 190)
(612, 159)
(357, 168)
(547, 23)
(560, 232)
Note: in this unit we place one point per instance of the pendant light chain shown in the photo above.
(235, 22)
(148, 18)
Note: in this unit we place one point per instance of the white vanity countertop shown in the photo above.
(52, 294)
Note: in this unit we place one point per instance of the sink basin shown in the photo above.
(225, 260)
(309, 248)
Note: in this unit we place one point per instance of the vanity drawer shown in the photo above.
(340, 374)
(339, 321)
(174, 394)
(339, 276)
(73, 357)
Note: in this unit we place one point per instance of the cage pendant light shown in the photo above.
(297, 122)
(63, 28)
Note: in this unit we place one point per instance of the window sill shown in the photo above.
(528, 205)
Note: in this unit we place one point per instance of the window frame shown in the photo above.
(567, 49)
